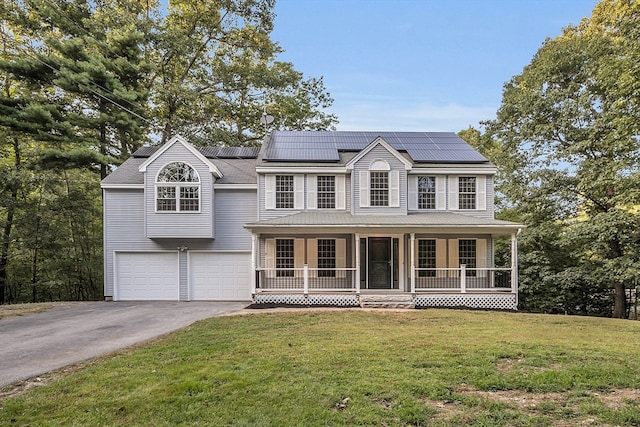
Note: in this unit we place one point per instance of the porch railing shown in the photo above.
(456, 280)
(305, 279)
(463, 279)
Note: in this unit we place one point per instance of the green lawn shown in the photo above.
(354, 367)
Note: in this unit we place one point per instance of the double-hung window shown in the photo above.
(326, 257)
(284, 191)
(426, 192)
(426, 257)
(178, 188)
(467, 192)
(467, 251)
(379, 188)
(284, 257)
(326, 192)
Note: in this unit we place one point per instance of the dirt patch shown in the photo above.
(508, 365)
(537, 404)
(13, 310)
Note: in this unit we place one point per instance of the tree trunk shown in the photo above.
(8, 225)
(620, 304)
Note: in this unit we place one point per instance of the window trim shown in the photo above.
(472, 196)
(433, 193)
(381, 198)
(428, 260)
(286, 271)
(331, 194)
(177, 187)
(292, 192)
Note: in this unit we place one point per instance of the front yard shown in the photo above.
(356, 367)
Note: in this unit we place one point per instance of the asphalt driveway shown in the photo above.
(34, 344)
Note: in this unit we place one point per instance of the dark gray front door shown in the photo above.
(379, 263)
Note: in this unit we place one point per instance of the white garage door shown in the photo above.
(147, 276)
(219, 276)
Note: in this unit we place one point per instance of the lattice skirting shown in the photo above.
(308, 300)
(479, 301)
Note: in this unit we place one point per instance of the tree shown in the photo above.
(569, 128)
(217, 74)
(84, 64)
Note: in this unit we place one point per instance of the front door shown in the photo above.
(379, 263)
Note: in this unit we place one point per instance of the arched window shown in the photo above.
(177, 188)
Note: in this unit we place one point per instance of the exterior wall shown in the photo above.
(124, 219)
(176, 224)
(379, 153)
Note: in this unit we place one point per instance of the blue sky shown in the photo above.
(417, 65)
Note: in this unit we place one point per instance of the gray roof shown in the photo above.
(234, 171)
(326, 146)
(209, 152)
(437, 220)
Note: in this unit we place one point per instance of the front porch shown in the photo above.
(353, 261)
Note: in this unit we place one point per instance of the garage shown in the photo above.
(146, 276)
(219, 276)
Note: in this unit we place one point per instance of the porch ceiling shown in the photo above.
(432, 222)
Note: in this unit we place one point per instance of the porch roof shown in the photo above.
(432, 222)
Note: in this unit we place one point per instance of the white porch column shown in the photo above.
(514, 264)
(412, 252)
(254, 253)
(305, 278)
(463, 278)
(357, 275)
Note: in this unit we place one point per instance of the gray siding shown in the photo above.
(172, 224)
(233, 209)
(379, 152)
(124, 229)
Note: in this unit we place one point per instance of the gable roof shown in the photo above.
(236, 165)
(178, 139)
(383, 143)
(327, 146)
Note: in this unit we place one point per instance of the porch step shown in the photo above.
(386, 301)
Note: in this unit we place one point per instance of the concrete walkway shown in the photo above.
(35, 344)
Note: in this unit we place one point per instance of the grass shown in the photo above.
(13, 310)
(354, 367)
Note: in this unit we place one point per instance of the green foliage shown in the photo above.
(350, 367)
(84, 84)
(568, 133)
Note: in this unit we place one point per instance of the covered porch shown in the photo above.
(433, 260)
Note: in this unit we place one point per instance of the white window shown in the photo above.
(379, 189)
(467, 192)
(178, 188)
(379, 186)
(426, 192)
(284, 257)
(326, 257)
(284, 192)
(427, 258)
(326, 192)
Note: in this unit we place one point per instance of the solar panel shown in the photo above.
(325, 145)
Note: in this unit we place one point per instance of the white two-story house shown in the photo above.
(312, 218)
